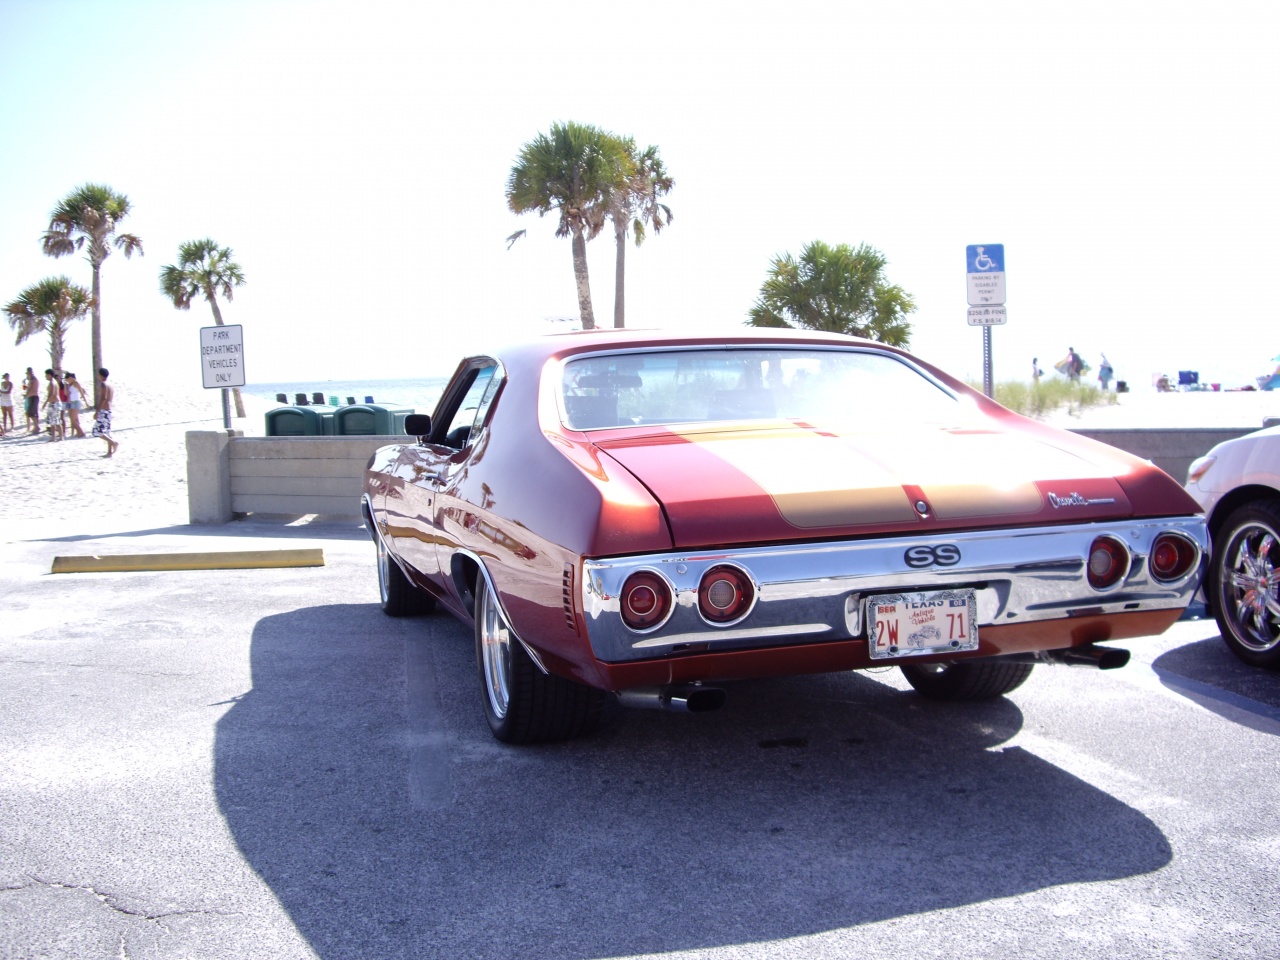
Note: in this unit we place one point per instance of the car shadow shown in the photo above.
(1208, 673)
(805, 805)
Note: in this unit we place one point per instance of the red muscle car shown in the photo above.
(641, 514)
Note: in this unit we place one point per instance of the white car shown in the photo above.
(1238, 485)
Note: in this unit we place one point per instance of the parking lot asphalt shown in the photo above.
(258, 763)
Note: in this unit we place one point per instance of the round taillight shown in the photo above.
(1172, 557)
(1108, 561)
(725, 594)
(645, 601)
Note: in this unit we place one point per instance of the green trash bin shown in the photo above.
(369, 419)
(299, 422)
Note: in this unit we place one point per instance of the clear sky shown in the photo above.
(354, 156)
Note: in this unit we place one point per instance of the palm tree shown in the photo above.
(91, 213)
(570, 170)
(838, 289)
(635, 204)
(48, 307)
(204, 269)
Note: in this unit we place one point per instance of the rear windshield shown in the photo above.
(809, 385)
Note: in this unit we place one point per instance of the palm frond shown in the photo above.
(203, 269)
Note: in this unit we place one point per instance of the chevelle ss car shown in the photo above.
(1238, 485)
(643, 514)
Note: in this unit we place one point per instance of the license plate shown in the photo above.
(915, 624)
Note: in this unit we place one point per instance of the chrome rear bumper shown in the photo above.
(808, 593)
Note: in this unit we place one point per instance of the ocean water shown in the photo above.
(420, 395)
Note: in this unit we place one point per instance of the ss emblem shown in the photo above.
(943, 555)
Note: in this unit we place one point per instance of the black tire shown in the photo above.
(399, 597)
(966, 679)
(1244, 583)
(521, 703)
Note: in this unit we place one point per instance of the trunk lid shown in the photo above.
(738, 483)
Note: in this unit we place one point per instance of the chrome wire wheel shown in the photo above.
(495, 655)
(1247, 574)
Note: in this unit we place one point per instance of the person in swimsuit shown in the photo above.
(31, 395)
(102, 421)
(53, 406)
(6, 405)
(74, 404)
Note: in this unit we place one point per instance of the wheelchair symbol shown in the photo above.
(983, 262)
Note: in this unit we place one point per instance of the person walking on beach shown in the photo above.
(1036, 372)
(6, 405)
(53, 406)
(1104, 373)
(74, 404)
(1074, 365)
(31, 397)
(102, 420)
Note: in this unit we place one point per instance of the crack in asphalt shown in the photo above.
(111, 901)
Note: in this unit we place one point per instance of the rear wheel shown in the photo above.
(521, 703)
(967, 679)
(400, 598)
(1244, 583)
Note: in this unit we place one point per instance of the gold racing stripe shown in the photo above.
(838, 486)
(844, 482)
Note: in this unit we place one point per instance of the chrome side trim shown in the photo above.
(817, 591)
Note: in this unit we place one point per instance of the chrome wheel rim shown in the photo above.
(384, 571)
(495, 654)
(1250, 584)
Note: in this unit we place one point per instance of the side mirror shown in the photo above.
(417, 425)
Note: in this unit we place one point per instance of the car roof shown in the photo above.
(558, 345)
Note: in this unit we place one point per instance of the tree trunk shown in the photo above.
(235, 391)
(56, 350)
(584, 282)
(620, 276)
(95, 329)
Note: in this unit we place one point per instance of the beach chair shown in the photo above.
(318, 398)
(300, 400)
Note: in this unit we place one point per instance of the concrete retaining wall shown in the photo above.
(1170, 450)
(228, 474)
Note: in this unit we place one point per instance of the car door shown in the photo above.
(431, 470)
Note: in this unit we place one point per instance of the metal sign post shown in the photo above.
(985, 268)
(222, 359)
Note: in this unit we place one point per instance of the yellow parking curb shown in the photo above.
(224, 560)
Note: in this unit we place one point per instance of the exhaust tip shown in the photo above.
(1091, 655)
(684, 698)
(1112, 658)
(699, 699)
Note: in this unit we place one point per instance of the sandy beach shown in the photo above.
(57, 488)
(72, 485)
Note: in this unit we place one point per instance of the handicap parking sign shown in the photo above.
(988, 258)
